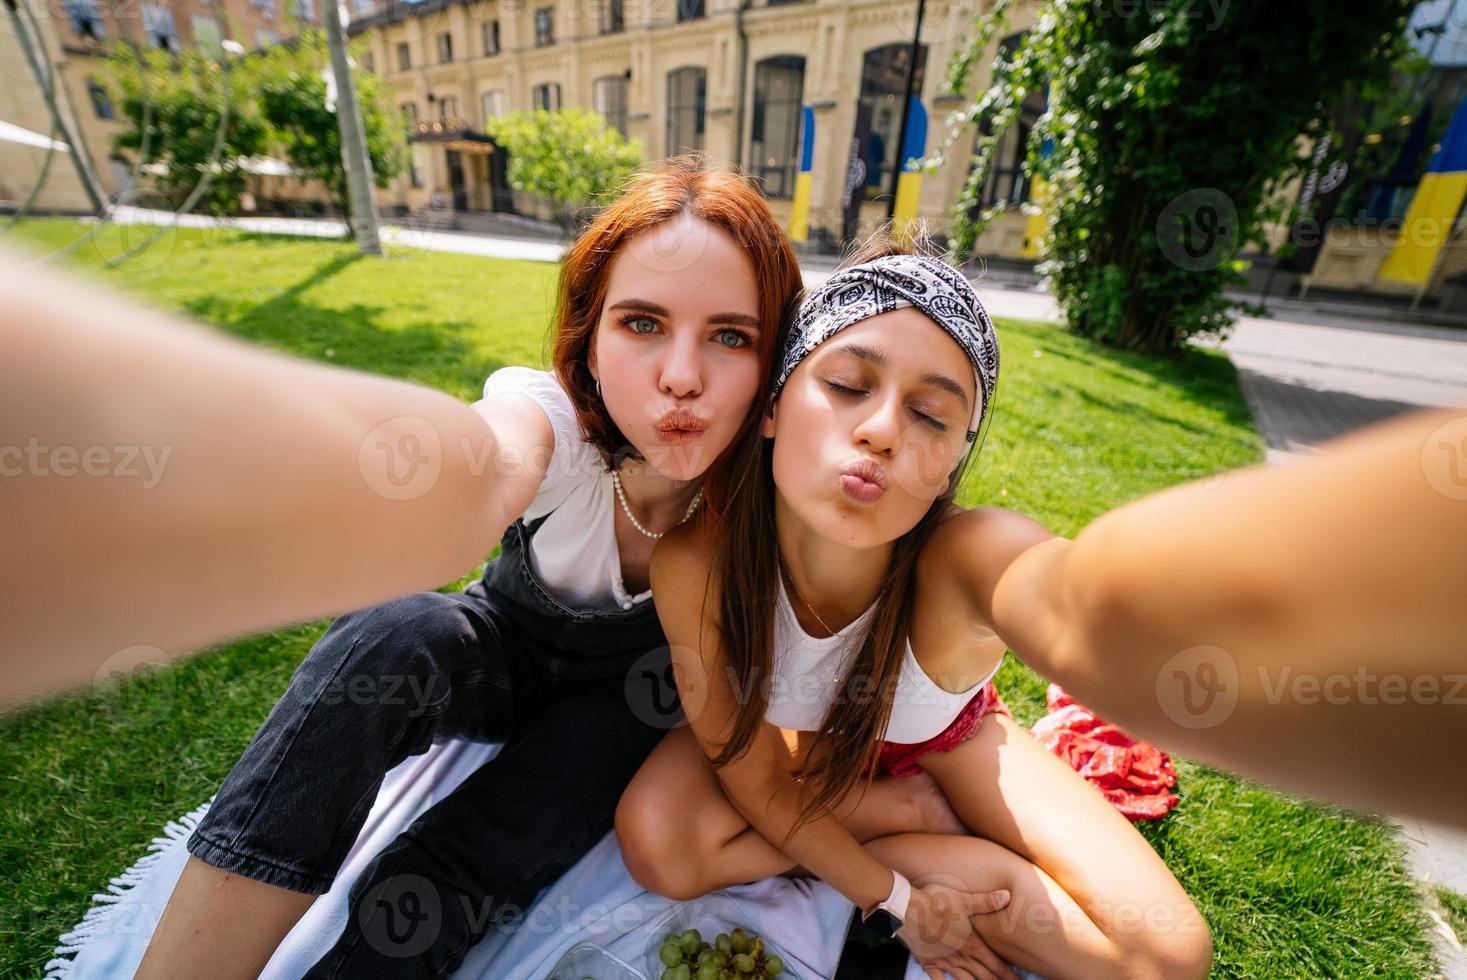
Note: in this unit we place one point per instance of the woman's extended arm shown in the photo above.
(759, 783)
(1304, 624)
(166, 486)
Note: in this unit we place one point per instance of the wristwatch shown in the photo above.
(887, 917)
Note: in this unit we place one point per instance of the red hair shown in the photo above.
(678, 186)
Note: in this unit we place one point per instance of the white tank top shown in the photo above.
(807, 671)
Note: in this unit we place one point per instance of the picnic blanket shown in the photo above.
(596, 902)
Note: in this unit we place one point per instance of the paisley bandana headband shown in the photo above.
(930, 285)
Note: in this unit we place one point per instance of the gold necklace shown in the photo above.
(806, 602)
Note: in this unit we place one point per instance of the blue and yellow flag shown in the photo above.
(1433, 210)
(800, 206)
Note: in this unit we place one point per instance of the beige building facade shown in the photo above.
(716, 76)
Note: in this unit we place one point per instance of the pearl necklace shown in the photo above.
(626, 508)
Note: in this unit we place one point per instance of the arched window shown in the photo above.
(774, 131)
(687, 105)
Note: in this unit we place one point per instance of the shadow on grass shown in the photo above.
(433, 352)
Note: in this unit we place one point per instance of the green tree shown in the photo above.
(1171, 127)
(569, 156)
(292, 97)
(190, 113)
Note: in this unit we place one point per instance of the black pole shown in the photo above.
(901, 136)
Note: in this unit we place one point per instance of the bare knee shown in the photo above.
(659, 855)
(1169, 942)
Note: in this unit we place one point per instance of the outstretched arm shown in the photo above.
(1302, 624)
(166, 486)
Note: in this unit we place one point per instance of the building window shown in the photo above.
(544, 26)
(448, 107)
(882, 76)
(404, 56)
(490, 31)
(493, 104)
(774, 133)
(363, 8)
(158, 24)
(687, 105)
(265, 7)
(85, 19)
(613, 17)
(1007, 180)
(445, 48)
(609, 96)
(368, 61)
(205, 30)
(306, 10)
(691, 10)
(101, 103)
(409, 112)
(264, 38)
(547, 96)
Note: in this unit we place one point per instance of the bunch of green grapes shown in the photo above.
(732, 956)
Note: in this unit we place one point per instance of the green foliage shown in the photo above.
(192, 114)
(1171, 128)
(292, 99)
(569, 156)
(272, 101)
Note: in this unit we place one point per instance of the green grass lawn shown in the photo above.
(1290, 889)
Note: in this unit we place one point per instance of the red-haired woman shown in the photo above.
(669, 311)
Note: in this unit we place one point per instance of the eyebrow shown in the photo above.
(932, 378)
(656, 309)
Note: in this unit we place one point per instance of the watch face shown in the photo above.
(883, 923)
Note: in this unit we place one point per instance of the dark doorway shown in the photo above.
(500, 198)
(456, 180)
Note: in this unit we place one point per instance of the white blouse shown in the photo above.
(574, 552)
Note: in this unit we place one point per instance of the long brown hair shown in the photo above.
(682, 185)
(746, 556)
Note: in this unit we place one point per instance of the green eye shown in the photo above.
(637, 322)
(732, 338)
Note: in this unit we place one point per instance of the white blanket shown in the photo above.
(596, 902)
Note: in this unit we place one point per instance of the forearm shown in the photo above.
(823, 846)
(1292, 593)
(186, 487)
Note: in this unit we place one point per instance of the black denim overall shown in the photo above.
(503, 660)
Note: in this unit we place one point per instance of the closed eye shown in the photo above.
(922, 417)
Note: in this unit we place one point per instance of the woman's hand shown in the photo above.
(975, 961)
(939, 922)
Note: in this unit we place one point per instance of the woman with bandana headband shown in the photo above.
(843, 629)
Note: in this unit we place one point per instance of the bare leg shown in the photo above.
(1010, 790)
(221, 924)
(670, 854)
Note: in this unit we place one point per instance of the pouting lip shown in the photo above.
(680, 420)
(866, 470)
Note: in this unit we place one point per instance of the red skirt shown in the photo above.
(900, 758)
